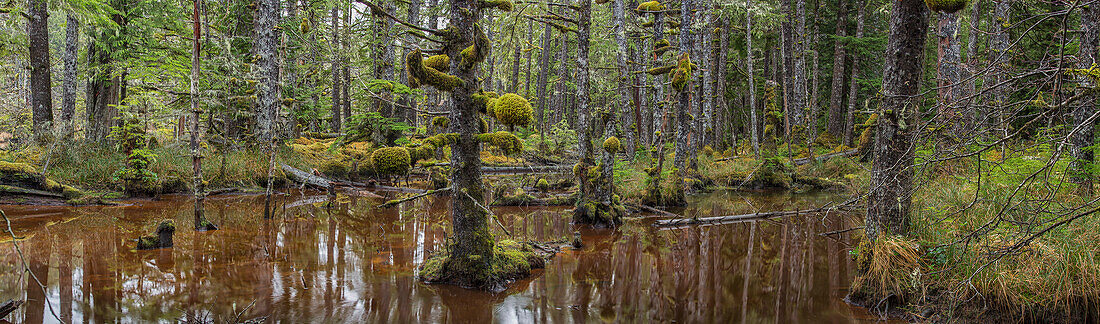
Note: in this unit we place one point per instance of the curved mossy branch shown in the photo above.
(421, 74)
(555, 25)
(502, 5)
(476, 53)
(661, 70)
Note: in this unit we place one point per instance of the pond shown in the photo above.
(347, 261)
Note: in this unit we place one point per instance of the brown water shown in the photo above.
(355, 263)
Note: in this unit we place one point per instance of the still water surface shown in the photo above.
(351, 262)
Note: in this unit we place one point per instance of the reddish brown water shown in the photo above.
(355, 263)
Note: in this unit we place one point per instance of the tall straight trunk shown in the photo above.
(1084, 138)
(290, 72)
(660, 104)
(598, 189)
(527, 73)
(337, 112)
(947, 69)
(853, 85)
(267, 94)
(837, 116)
(197, 185)
(998, 77)
(638, 90)
(384, 69)
(625, 79)
(891, 171)
(800, 99)
(754, 120)
(345, 61)
(410, 40)
(541, 87)
(102, 92)
(516, 51)
(683, 111)
(557, 98)
(972, 65)
(721, 68)
(490, 61)
(706, 96)
(38, 34)
(812, 85)
(68, 80)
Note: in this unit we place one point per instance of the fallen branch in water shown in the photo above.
(824, 157)
(396, 202)
(307, 178)
(9, 307)
(739, 218)
(841, 231)
(26, 191)
(655, 210)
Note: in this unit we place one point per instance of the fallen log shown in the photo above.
(396, 202)
(26, 191)
(528, 169)
(375, 186)
(307, 178)
(9, 307)
(654, 210)
(824, 157)
(737, 218)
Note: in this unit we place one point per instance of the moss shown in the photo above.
(543, 185)
(440, 122)
(649, 6)
(502, 5)
(509, 260)
(430, 76)
(647, 24)
(505, 141)
(662, 50)
(437, 179)
(513, 110)
(391, 161)
(441, 140)
(682, 76)
(661, 70)
(947, 6)
(612, 145)
(579, 170)
(661, 43)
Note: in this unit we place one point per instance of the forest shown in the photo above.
(350, 161)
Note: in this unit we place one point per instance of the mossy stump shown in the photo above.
(509, 261)
(163, 238)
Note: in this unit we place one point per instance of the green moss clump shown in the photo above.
(682, 75)
(502, 140)
(612, 145)
(946, 6)
(661, 70)
(163, 238)
(513, 110)
(649, 6)
(440, 62)
(441, 140)
(437, 179)
(510, 260)
(420, 152)
(502, 5)
(662, 50)
(430, 76)
(661, 43)
(543, 185)
(440, 122)
(647, 24)
(391, 161)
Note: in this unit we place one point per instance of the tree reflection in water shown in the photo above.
(355, 263)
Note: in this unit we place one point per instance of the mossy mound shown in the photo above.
(509, 261)
(543, 185)
(505, 141)
(26, 176)
(947, 6)
(682, 76)
(502, 5)
(391, 161)
(440, 62)
(600, 214)
(440, 123)
(612, 145)
(512, 110)
(422, 74)
(649, 6)
(163, 238)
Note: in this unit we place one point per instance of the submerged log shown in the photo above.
(25, 191)
(654, 210)
(739, 218)
(165, 231)
(307, 178)
(396, 202)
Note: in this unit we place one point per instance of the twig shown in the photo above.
(841, 231)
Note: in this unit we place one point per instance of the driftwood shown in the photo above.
(736, 218)
(824, 157)
(655, 210)
(392, 203)
(375, 186)
(26, 191)
(307, 178)
(528, 169)
(222, 191)
(9, 307)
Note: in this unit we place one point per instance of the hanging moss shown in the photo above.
(389, 161)
(612, 145)
(661, 70)
(513, 110)
(946, 6)
(504, 141)
(502, 5)
(441, 140)
(427, 75)
(649, 6)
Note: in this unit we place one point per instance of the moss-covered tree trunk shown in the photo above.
(38, 34)
(659, 100)
(683, 87)
(837, 116)
(267, 94)
(853, 85)
(594, 205)
(1083, 139)
(754, 120)
(624, 81)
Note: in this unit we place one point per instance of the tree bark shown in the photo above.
(267, 92)
(707, 95)
(998, 76)
(541, 87)
(891, 171)
(683, 111)
(337, 112)
(38, 35)
(291, 71)
(853, 85)
(1083, 139)
(102, 90)
(837, 116)
(197, 185)
(410, 40)
(947, 70)
(625, 79)
(68, 81)
(384, 66)
(754, 120)
(660, 104)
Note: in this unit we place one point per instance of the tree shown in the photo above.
(337, 88)
(949, 61)
(891, 170)
(1083, 113)
(853, 79)
(197, 184)
(267, 89)
(68, 81)
(753, 119)
(837, 116)
(38, 35)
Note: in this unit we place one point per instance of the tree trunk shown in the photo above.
(345, 62)
(38, 35)
(660, 103)
(707, 95)
(197, 185)
(997, 78)
(947, 70)
(516, 50)
(1083, 139)
(102, 91)
(267, 92)
(683, 110)
(891, 171)
(754, 120)
(410, 40)
(837, 116)
(291, 71)
(853, 85)
(625, 79)
(337, 112)
(68, 81)
(491, 62)
(541, 87)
